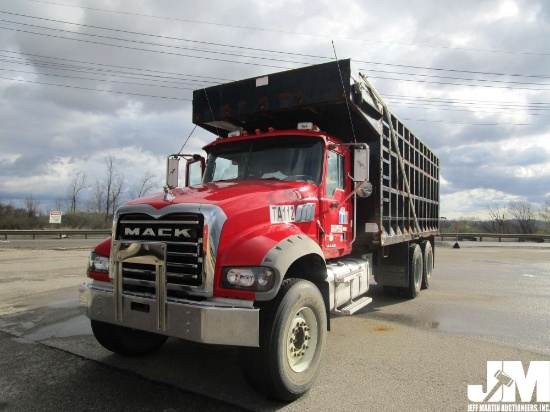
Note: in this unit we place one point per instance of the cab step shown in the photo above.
(354, 306)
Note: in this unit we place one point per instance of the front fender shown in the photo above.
(248, 247)
(283, 255)
(274, 246)
(104, 248)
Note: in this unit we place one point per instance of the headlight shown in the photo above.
(257, 278)
(98, 267)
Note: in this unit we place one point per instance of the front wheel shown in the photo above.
(292, 341)
(126, 341)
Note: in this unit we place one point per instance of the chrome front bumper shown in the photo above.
(206, 322)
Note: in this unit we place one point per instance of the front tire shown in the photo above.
(126, 341)
(292, 340)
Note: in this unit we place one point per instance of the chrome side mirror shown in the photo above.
(365, 190)
(172, 171)
(361, 163)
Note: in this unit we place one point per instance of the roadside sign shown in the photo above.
(55, 216)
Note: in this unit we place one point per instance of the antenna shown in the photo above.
(212, 113)
(345, 94)
(184, 143)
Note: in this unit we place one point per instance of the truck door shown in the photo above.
(336, 214)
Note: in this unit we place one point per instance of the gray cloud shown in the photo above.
(56, 131)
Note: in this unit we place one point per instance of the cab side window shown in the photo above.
(195, 173)
(335, 173)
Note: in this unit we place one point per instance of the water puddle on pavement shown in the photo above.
(448, 324)
(407, 320)
(79, 325)
(64, 304)
(498, 262)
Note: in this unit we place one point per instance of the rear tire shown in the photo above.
(126, 341)
(416, 268)
(292, 340)
(428, 263)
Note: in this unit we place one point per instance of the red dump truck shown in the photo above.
(310, 187)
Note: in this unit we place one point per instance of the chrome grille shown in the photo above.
(183, 236)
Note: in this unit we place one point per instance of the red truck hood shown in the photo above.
(237, 196)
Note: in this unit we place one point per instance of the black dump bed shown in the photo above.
(282, 100)
(342, 103)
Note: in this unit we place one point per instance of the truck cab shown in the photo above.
(312, 169)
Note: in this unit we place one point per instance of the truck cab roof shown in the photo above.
(270, 134)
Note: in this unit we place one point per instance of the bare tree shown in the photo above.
(32, 207)
(523, 214)
(75, 187)
(146, 183)
(32, 210)
(544, 214)
(96, 202)
(105, 195)
(498, 220)
(59, 203)
(113, 186)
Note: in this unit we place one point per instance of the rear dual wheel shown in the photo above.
(428, 263)
(421, 261)
(416, 270)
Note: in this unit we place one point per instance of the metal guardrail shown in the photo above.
(499, 236)
(59, 233)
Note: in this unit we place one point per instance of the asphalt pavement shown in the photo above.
(489, 303)
(38, 377)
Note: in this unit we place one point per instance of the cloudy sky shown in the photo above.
(84, 79)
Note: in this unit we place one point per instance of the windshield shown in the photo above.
(291, 158)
